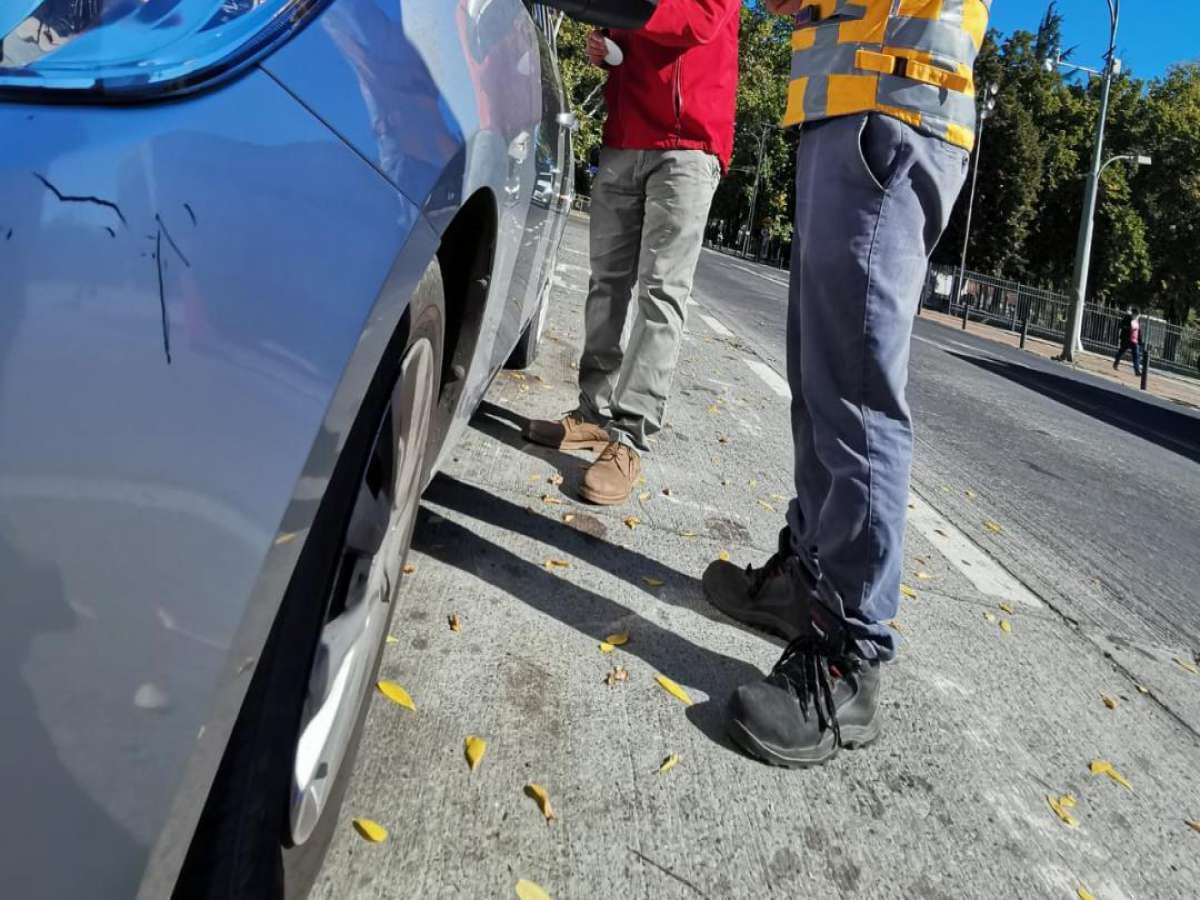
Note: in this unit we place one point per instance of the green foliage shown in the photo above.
(1036, 151)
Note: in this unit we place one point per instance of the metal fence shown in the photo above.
(1008, 304)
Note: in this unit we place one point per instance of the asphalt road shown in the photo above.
(1100, 485)
(981, 724)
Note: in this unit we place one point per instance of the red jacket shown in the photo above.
(677, 86)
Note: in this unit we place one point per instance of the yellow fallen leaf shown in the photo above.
(516, 376)
(606, 647)
(539, 795)
(1007, 607)
(970, 494)
(653, 582)
(1061, 807)
(408, 569)
(553, 501)
(556, 564)
(527, 890)
(1184, 664)
(991, 617)
(673, 689)
(644, 496)
(568, 517)
(1084, 893)
(668, 764)
(474, 747)
(1141, 690)
(455, 623)
(632, 522)
(994, 527)
(1192, 824)
(1104, 767)
(396, 694)
(371, 831)
(767, 506)
(1110, 702)
(908, 592)
(923, 576)
(690, 535)
(618, 640)
(392, 639)
(723, 556)
(714, 408)
(1006, 626)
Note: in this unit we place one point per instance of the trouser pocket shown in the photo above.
(880, 144)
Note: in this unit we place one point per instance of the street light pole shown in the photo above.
(762, 142)
(989, 104)
(1083, 249)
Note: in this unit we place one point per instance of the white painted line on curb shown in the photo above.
(773, 379)
(987, 575)
(719, 329)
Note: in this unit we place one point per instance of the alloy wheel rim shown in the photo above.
(363, 588)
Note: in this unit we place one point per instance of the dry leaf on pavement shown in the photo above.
(568, 518)
(908, 592)
(551, 564)
(474, 748)
(455, 623)
(553, 501)
(666, 492)
(1084, 893)
(994, 527)
(653, 582)
(923, 576)
(632, 522)
(895, 626)
(392, 639)
(536, 476)
(767, 506)
(527, 890)
(1104, 767)
(1007, 607)
(1006, 626)
(616, 676)
(1110, 702)
(1184, 664)
(1141, 690)
(690, 535)
(668, 764)
(970, 494)
(1062, 806)
(555, 479)
(408, 568)
(1192, 824)
(619, 639)
(396, 694)
(371, 831)
(713, 409)
(539, 795)
(723, 556)
(673, 689)
(606, 647)
(644, 496)
(991, 617)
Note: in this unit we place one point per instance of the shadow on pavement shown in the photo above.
(508, 427)
(1169, 429)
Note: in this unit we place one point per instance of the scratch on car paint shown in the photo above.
(81, 198)
(111, 232)
(162, 228)
(190, 212)
(162, 299)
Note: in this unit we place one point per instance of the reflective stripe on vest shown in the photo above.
(912, 59)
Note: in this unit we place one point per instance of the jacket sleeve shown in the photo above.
(688, 23)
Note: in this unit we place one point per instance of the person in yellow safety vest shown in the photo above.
(884, 94)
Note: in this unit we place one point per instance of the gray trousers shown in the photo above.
(649, 208)
(873, 196)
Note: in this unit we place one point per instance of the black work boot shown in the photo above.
(821, 696)
(764, 598)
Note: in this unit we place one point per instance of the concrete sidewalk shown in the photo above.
(981, 725)
(1167, 385)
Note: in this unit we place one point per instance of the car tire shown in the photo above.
(243, 846)
(525, 353)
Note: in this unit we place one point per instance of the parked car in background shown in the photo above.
(259, 261)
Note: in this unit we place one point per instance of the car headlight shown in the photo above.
(98, 50)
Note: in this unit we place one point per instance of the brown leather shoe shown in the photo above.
(568, 433)
(610, 479)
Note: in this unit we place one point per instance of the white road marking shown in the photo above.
(773, 379)
(718, 329)
(987, 575)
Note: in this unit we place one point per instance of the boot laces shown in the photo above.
(804, 671)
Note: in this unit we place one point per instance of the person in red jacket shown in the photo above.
(668, 137)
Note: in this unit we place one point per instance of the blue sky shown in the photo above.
(1152, 35)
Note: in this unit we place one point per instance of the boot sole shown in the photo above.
(854, 737)
(600, 499)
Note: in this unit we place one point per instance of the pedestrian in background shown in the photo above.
(1129, 338)
(668, 137)
(885, 97)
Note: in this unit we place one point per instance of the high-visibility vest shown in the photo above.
(911, 59)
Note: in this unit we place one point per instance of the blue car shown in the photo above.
(259, 261)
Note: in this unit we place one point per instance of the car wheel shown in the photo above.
(526, 351)
(274, 804)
